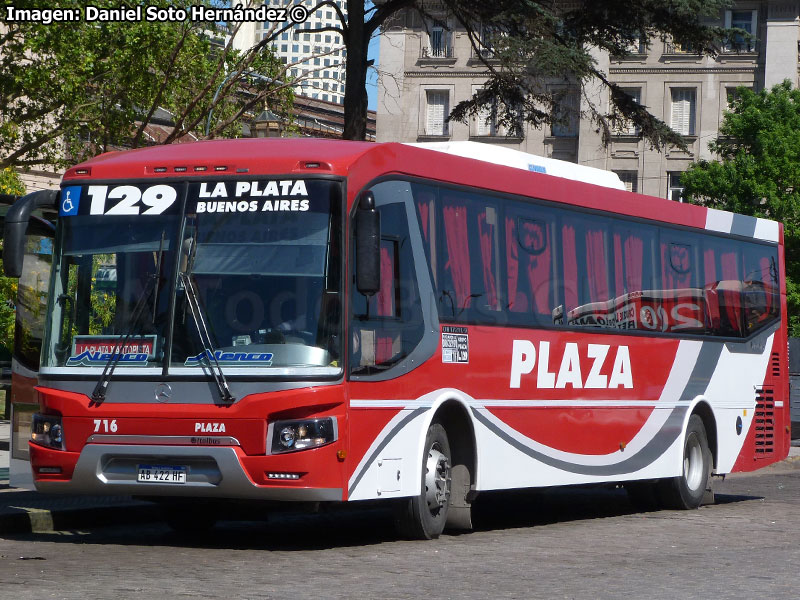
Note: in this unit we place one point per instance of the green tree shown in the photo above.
(758, 171)
(94, 85)
(527, 44)
(10, 183)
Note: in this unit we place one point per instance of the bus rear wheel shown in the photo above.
(687, 490)
(423, 517)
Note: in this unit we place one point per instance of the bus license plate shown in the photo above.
(161, 474)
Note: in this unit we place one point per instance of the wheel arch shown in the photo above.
(456, 419)
(454, 414)
(703, 409)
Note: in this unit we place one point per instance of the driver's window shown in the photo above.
(388, 325)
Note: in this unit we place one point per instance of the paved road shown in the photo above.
(556, 544)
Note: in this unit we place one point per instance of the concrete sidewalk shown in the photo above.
(24, 511)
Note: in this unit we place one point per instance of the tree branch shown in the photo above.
(160, 94)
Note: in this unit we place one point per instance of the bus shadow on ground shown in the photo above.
(368, 524)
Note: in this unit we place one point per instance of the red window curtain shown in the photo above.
(732, 297)
(516, 299)
(386, 293)
(385, 300)
(455, 228)
(634, 263)
(486, 232)
(570, 268)
(424, 202)
(535, 236)
(596, 266)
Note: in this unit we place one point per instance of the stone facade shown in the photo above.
(424, 69)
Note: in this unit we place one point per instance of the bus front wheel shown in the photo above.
(687, 490)
(424, 516)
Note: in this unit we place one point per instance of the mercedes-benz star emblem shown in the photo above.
(163, 392)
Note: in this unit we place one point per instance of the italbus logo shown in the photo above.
(573, 364)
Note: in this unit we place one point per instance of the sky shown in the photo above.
(372, 74)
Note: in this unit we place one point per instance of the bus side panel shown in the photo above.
(597, 408)
(768, 439)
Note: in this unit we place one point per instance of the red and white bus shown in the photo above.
(310, 320)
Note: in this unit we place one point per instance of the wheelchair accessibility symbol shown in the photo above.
(70, 200)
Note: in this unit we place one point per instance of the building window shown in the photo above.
(439, 43)
(684, 104)
(486, 120)
(630, 179)
(628, 128)
(732, 95)
(436, 111)
(565, 114)
(638, 46)
(741, 19)
(674, 187)
(486, 37)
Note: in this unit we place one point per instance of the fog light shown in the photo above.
(291, 436)
(283, 475)
(46, 430)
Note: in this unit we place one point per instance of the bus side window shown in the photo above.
(388, 325)
(468, 262)
(760, 291)
(679, 305)
(722, 287)
(529, 266)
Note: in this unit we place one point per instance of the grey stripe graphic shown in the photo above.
(744, 225)
(389, 436)
(707, 360)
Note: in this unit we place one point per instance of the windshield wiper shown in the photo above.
(205, 339)
(99, 393)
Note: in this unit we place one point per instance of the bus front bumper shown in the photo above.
(211, 472)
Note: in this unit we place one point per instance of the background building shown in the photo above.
(318, 58)
(430, 69)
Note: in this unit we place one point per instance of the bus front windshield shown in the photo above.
(243, 274)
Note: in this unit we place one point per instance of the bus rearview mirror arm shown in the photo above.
(368, 245)
(16, 224)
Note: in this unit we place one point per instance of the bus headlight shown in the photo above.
(46, 430)
(302, 434)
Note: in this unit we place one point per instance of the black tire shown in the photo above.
(686, 491)
(423, 517)
(190, 518)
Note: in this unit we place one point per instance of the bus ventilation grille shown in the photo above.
(765, 421)
(776, 364)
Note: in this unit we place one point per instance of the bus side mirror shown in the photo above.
(368, 245)
(16, 225)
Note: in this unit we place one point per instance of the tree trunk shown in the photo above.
(355, 87)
